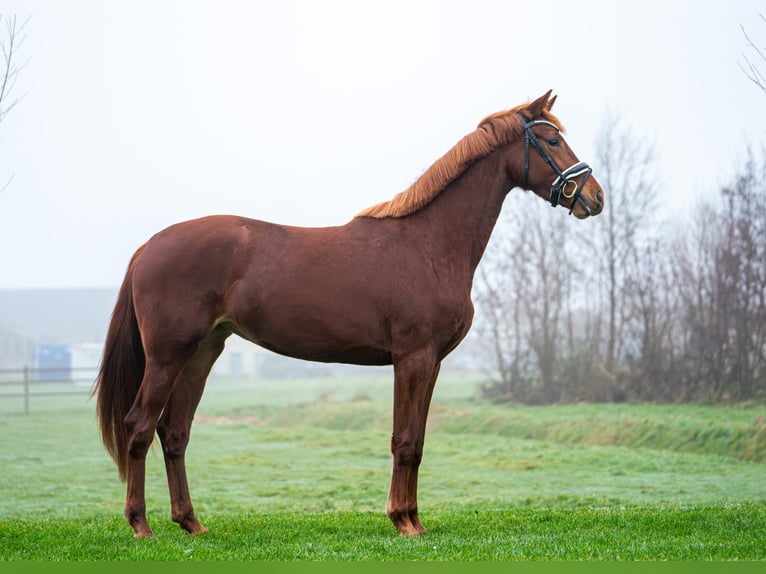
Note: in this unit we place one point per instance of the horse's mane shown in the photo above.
(492, 132)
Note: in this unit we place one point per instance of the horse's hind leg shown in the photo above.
(414, 380)
(140, 425)
(175, 426)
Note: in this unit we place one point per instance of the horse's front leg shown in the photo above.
(414, 380)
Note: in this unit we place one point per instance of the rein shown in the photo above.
(565, 180)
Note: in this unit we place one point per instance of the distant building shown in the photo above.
(16, 351)
(56, 330)
(52, 363)
(86, 358)
(239, 359)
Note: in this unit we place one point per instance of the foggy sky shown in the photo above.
(136, 115)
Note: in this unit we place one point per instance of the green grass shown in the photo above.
(298, 470)
(700, 533)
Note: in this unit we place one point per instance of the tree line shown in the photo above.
(629, 306)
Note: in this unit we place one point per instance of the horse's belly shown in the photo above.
(304, 337)
(351, 356)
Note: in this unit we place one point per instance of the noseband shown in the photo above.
(565, 183)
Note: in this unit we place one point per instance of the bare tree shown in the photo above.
(543, 290)
(626, 167)
(10, 42)
(722, 284)
(528, 292)
(500, 321)
(558, 324)
(751, 66)
(651, 349)
(643, 310)
(724, 292)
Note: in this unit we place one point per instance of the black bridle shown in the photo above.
(562, 183)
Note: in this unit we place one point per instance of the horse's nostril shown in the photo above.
(600, 197)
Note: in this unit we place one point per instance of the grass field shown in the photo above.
(298, 470)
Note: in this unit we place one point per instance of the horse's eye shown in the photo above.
(553, 142)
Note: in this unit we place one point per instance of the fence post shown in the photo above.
(26, 390)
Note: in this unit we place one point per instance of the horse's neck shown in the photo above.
(464, 214)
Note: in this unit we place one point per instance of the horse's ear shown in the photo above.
(535, 108)
(550, 103)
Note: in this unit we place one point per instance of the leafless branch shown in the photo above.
(7, 183)
(750, 68)
(11, 40)
(10, 43)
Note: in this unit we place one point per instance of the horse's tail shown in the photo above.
(120, 373)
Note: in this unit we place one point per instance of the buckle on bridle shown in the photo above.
(565, 178)
(569, 195)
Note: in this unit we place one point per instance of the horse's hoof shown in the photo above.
(193, 526)
(408, 530)
(143, 533)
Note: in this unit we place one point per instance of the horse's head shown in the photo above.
(542, 161)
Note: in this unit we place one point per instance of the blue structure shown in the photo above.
(54, 363)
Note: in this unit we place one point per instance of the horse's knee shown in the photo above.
(140, 435)
(174, 440)
(139, 443)
(406, 452)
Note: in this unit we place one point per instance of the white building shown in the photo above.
(240, 358)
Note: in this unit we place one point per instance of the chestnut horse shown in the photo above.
(392, 286)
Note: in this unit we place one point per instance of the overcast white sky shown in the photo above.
(140, 114)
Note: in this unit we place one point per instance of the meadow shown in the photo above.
(299, 469)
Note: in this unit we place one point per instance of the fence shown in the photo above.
(29, 384)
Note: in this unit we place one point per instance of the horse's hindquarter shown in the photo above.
(181, 277)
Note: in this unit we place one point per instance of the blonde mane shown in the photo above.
(492, 132)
